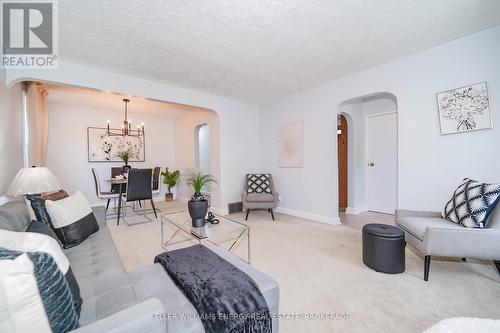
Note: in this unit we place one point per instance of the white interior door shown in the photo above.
(381, 158)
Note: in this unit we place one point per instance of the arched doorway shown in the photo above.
(370, 165)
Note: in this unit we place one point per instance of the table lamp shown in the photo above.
(34, 180)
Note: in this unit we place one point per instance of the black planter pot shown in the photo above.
(198, 210)
(126, 168)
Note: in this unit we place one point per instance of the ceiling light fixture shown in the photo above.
(126, 128)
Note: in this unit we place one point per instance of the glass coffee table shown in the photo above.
(227, 233)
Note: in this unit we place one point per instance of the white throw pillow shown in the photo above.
(34, 242)
(21, 308)
(68, 210)
(72, 218)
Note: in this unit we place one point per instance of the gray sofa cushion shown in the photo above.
(14, 216)
(104, 284)
(417, 225)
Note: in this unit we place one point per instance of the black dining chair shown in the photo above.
(139, 187)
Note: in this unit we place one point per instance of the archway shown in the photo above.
(372, 138)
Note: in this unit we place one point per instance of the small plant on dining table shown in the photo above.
(124, 155)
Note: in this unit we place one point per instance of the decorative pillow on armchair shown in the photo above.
(472, 203)
(72, 219)
(258, 183)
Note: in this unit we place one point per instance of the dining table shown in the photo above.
(120, 182)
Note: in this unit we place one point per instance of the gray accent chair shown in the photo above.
(254, 200)
(431, 235)
(143, 300)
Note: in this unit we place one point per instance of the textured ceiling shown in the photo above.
(261, 49)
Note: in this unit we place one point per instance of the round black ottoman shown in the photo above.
(384, 248)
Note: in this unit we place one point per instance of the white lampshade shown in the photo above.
(34, 180)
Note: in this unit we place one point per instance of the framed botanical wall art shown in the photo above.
(291, 144)
(464, 109)
(105, 148)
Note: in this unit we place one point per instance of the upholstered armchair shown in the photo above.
(431, 235)
(259, 193)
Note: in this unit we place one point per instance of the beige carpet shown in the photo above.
(320, 271)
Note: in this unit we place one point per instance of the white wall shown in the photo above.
(379, 103)
(11, 139)
(430, 165)
(185, 152)
(239, 121)
(67, 146)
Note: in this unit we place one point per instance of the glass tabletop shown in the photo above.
(176, 231)
(225, 226)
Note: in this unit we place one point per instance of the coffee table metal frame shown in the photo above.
(195, 233)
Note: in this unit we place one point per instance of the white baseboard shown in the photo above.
(309, 216)
(355, 210)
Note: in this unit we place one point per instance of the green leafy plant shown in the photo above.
(124, 155)
(170, 178)
(198, 180)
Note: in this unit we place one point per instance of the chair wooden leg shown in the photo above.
(140, 204)
(154, 209)
(497, 265)
(248, 212)
(272, 214)
(427, 266)
(107, 205)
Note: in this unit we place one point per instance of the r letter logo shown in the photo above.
(29, 31)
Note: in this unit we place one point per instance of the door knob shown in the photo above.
(371, 164)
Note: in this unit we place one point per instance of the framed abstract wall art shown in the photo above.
(464, 109)
(291, 144)
(105, 148)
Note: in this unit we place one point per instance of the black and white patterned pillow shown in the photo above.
(472, 203)
(258, 183)
(35, 290)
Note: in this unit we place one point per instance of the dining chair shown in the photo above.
(139, 187)
(99, 193)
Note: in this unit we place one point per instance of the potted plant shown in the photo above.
(198, 205)
(170, 179)
(125, 156)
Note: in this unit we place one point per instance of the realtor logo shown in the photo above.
(29, 31)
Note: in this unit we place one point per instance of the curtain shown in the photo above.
(38, 124)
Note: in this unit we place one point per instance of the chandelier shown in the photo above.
(126, 129)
